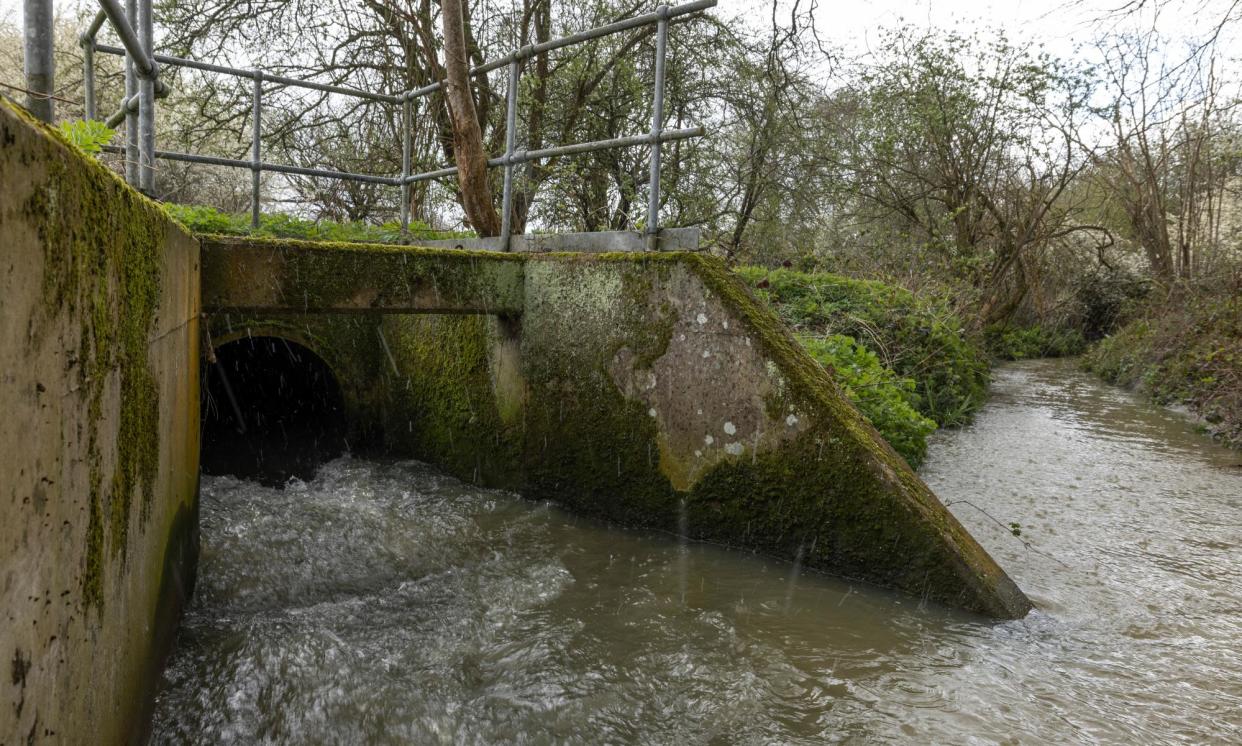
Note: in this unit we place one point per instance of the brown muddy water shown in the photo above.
(387, 603)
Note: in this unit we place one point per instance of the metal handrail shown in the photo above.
(143, 87)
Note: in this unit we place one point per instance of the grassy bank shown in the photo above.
(1184, 350)
(280, 225)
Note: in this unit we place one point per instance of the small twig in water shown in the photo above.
(1011, 529)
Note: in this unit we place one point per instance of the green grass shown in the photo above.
(201, 219)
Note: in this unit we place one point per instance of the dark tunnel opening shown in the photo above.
(272, 410)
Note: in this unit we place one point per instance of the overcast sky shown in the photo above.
(852, 24)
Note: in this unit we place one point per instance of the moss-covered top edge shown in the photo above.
(277, 242)
(93, 167)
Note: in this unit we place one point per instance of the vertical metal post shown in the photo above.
(407, 123)
(88, 74)
(146, 102)
(40, 67)
(256, 153)
(131, 117)
(657, 121)
(506, 215)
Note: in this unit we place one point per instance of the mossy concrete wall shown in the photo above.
(275, 275)
(654, 390)
(658, 388)
(99, 306)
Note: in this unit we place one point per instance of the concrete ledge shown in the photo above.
(662, 393)
(252, 275)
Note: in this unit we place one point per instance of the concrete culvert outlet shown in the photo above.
(272, 410)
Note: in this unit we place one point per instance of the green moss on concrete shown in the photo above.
(366, 248)
(92, 572)
(832, 487)
(447, 407)
(102, 267)
(314, 276)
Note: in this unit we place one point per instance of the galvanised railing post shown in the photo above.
(657, 122)
(146, 102)
(88, 74)
(131, 116)
(506, 215)
(40, 67)
(256, 153)
(407, 123)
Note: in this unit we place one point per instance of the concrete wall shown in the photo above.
(99, 348)
(644, 388)
(661, 392)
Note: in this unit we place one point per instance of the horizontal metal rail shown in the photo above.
(518, 157)
(143, 86)
(279, 79)
(525, 156)
(534, 50)
(281, 168)
(131, 106)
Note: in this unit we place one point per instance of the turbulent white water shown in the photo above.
(386, 603)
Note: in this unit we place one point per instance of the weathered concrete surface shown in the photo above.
(660, 388)
(644, 388)
(98, 441)
(258, 275)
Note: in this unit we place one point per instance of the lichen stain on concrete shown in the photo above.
(691, 402)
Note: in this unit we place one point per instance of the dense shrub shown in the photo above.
(209, 220)
(1185, 350)
(1105, 299)
(886, 399)
(918, 338)
(1020, 343)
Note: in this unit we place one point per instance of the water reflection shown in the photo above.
(387, 603)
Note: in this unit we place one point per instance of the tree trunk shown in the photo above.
(476, 194)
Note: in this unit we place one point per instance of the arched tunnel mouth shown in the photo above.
(272, 410)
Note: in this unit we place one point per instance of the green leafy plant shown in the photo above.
(88, 135)
(919, 338)
(885, 398)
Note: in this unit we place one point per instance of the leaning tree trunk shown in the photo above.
(476, 194)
